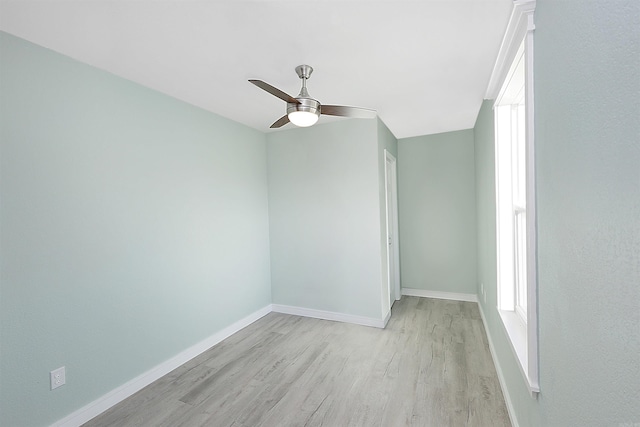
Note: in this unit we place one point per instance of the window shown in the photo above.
(515, 191)
(511, 191)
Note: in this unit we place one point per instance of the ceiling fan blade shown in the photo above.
(280, 122)
(275, 91)
(344, 111)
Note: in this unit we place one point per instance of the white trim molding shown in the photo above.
(523, 338)
(532, 221)
(118, 394)
(330, 315)
(439, 295)
(520, 22)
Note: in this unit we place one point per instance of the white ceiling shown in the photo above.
(423, 65)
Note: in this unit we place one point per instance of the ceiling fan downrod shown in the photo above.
(304, 72)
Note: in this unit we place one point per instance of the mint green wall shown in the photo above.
(588, 153)
(132, 227)
(484, 138)
(325, 217)
(386, 141)
(587, 63)
(437, 212)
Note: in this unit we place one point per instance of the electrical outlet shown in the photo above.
(482, 288)
(58, 378)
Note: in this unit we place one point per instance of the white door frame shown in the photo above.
(391, 204)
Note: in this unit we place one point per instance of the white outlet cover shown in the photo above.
(58, 377)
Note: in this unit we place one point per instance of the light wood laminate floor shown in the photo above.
(431, 366)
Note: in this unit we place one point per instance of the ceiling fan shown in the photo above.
(303, 110)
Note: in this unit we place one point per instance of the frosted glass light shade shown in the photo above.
(303, 118)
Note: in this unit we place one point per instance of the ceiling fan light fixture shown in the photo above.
(304, 114)
(303, 119)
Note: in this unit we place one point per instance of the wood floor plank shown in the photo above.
(431, 366)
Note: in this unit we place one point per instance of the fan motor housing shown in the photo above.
(306, 104)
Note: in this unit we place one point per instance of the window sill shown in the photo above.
(516, 331)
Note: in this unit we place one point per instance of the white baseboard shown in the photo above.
(496, 363)
(330, 315)
(386, 319)
(117, 395)
(440, 295)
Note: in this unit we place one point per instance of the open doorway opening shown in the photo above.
(393, 253)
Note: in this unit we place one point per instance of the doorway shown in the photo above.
(393, 253)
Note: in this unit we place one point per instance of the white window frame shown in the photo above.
(521, 326)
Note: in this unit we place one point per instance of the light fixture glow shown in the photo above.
(303, 118)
